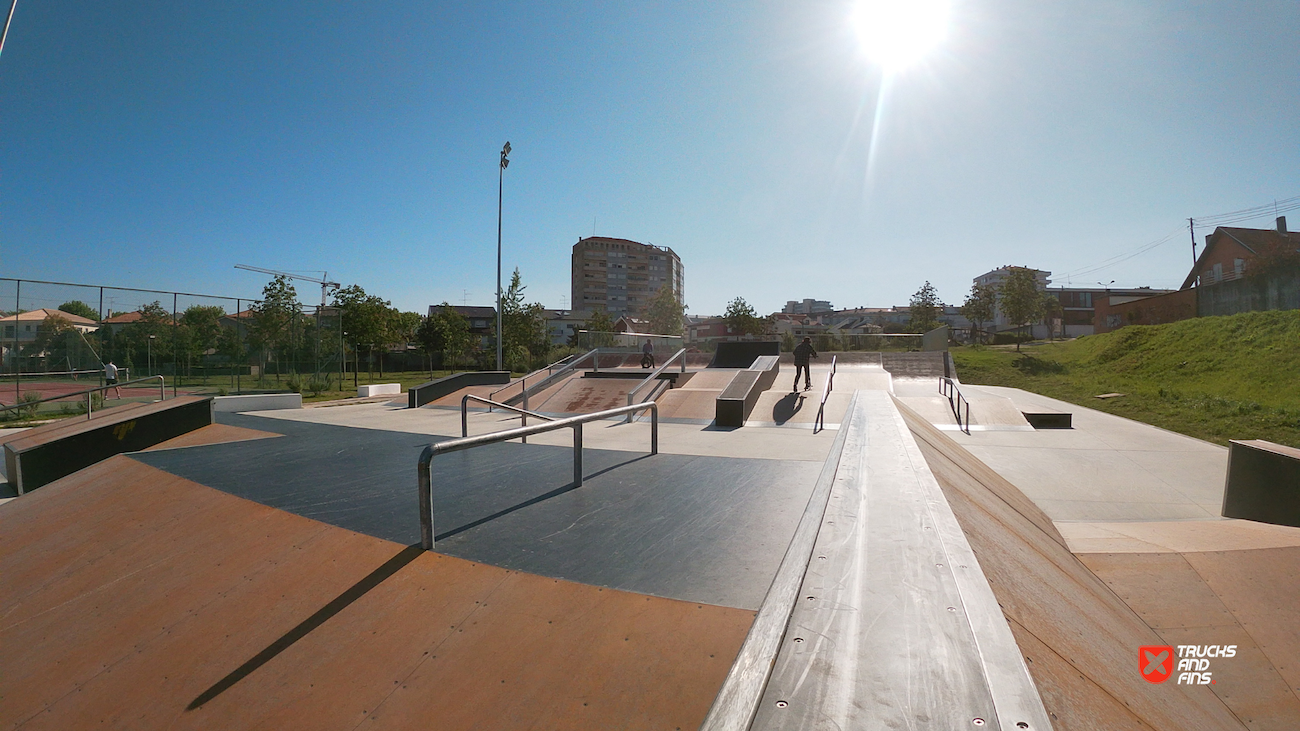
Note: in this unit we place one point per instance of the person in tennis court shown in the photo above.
(110, 378)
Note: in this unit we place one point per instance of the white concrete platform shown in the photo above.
(1105, 469)
(378, 389)
(257, 402)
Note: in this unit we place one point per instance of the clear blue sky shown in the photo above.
(157, 144)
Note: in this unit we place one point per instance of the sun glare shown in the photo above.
(897, 33)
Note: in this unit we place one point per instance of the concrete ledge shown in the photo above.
(1263, 482)
(257, 402)
(434, 390)
(379, 389)
(737, 400)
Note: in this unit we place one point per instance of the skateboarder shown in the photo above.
(802, 352)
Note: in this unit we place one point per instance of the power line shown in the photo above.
(1221, 219)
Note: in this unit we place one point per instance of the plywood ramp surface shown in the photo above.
(213, 434)
(129, 593)
(1079, 639)
(1247, 598)
(689, 403)
(587, 395)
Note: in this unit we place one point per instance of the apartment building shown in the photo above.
(620, 276)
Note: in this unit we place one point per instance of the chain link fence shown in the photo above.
(58, 337)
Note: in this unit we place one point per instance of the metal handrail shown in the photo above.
(631, 395)
(523, 413)
(826, 391)
(948, 388)
(162, 394)
(572, 422)
(524, 380)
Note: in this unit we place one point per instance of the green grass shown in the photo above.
(1214, 378)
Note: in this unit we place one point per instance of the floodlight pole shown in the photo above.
(500, 178)
(5, 35)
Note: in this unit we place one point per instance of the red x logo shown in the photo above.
(1156, 662)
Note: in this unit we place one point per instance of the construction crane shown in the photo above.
(324, 282)
(325, 285)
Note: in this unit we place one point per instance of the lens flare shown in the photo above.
(897, 33)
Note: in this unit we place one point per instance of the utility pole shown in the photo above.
(1191, 228)
(501, 172)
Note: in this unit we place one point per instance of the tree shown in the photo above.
(665, 312)
(1051, 309)
(598, 327)
(77, 307)
(200, 328)
(525, 340)
(52, 340)
(980, 305)
(365, 318)
(276, 319)
(741, 318)
(1019, 298)
(925, 309)
(445, 331)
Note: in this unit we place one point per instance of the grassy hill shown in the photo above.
(1214, 378)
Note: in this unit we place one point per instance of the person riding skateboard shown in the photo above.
(802, 352)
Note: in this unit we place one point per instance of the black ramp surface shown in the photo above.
(704, 529)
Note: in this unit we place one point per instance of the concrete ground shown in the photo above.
(1106, 469)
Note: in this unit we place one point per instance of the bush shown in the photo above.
(223, 391)
(294, 384)
(1011, 338)
(318, 384)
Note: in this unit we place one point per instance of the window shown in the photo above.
(1238, 265)
(1217, 276)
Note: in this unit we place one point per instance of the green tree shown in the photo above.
(77, 307)
(741, 318)
(200, 328)
(526, 341)
(665, 312)
(598, 327)
(52, 341)
(275, 327)
(980, 306)
(366, 319)
(444, 332)
(924, 309)
(1019, 298)
(1051, 310)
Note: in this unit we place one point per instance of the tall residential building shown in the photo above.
(621, 276)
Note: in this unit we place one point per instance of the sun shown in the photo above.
(897, 33)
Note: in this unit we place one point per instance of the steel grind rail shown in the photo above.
(162, 394)
(631, 395)
(571, 361)
(826, 392)
(574, 422)
(948, 388)
(523, 413)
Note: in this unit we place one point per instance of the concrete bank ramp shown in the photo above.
(1079, 638)
(136, 599)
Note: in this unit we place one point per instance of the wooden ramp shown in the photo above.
(136, 599)
(1079, 637)
(46, 453)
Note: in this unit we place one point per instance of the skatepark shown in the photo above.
(857, 555)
